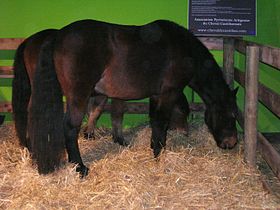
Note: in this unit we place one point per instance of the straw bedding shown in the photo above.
(192, 173)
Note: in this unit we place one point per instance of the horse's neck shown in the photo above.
(208, 79)
(209, 84)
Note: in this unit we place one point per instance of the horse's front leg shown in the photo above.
(160, 114)
(180, 115)
(117, 112)
(72, 123)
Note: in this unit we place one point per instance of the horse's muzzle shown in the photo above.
(228, 142)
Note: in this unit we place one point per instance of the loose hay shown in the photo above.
(192, 173)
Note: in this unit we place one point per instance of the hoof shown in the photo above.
(228, 143)
(156, 148)
(23, 142)
(89, 136)
(82, 170)
(157, 152)
(120, 141)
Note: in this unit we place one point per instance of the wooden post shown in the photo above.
(228, 61)
(251, 102)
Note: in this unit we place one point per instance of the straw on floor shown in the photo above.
(192, 173)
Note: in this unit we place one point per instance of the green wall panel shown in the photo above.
(21, 18)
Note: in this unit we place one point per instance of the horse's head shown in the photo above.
(221, 121)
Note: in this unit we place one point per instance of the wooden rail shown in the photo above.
(267, 97)
(10, 43)
(268, 55)
(6, 72)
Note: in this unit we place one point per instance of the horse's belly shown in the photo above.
(118, 85)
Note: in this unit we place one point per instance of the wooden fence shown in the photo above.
(255, 91)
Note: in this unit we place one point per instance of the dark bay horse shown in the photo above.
(24, 69)
(89, 58)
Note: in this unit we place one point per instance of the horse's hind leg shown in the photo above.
(72, 123)
(160, 114)
(96, 107)
(117, 112)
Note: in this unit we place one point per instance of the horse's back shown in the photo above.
(127, 62)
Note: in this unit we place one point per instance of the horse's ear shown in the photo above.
(235, 91)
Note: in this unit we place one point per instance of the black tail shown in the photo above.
(46, 113)
(20, 95)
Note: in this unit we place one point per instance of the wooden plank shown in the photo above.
(6, 72)
(132, 108)
(228, 61)
(212, 43)
(240, 45)
(271, 156)
(270, 99)
(10, 43)
(266, 96)
(268, 55)
(251, 102)
(274, 139)
(239, 77)
(6, 68)
(6, 76)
